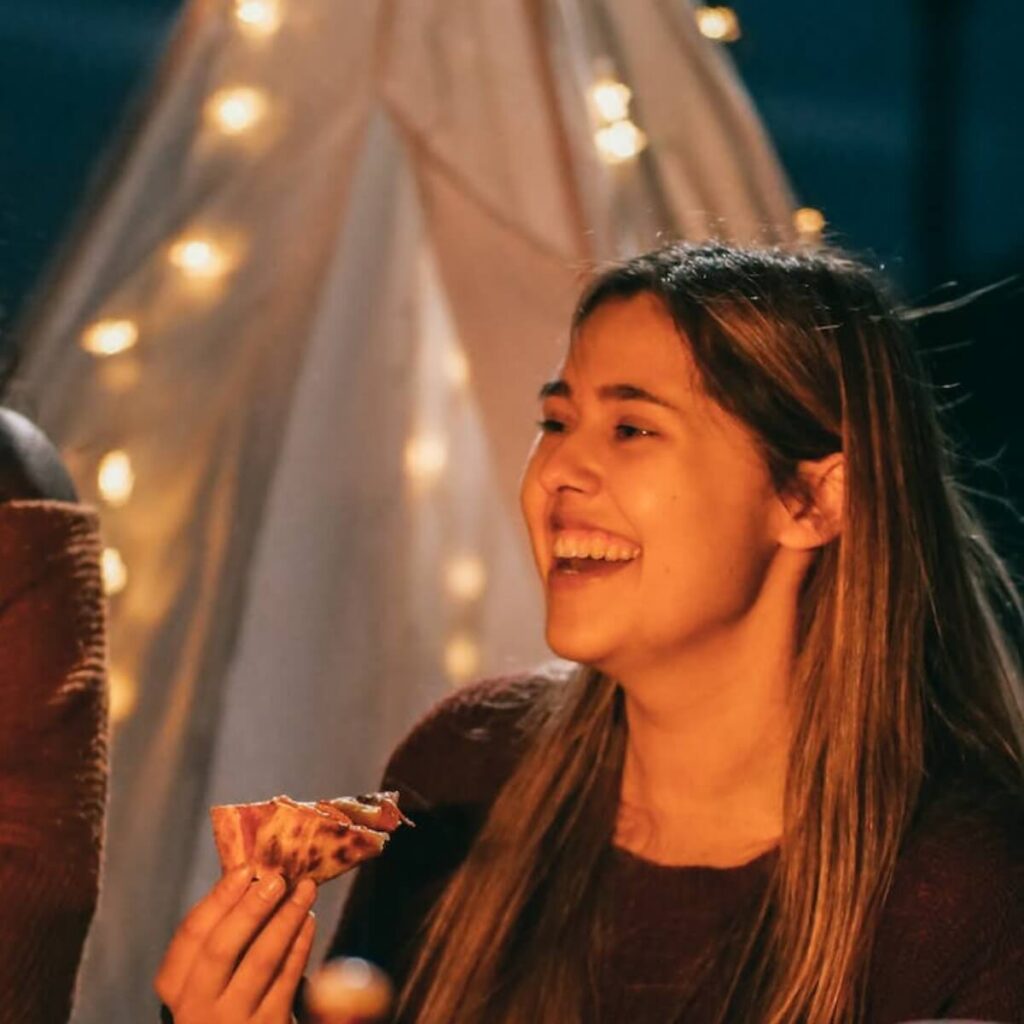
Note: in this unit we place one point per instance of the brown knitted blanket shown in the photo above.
(53, 752)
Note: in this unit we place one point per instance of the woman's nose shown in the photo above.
(569, 466)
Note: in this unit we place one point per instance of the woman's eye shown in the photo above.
(551, 426)
(626, 431)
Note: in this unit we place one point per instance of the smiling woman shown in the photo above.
(783, 782)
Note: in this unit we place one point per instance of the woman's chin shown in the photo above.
(580, 644)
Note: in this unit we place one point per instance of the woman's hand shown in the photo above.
(204, 977)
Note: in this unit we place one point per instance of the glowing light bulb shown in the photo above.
(461, 658)
(809, 222)
(110, 337)
(115, 572)
(259, 18)
(456, 366)
(237, 109)
(620, 142)
(124, 695)
(611, 99)
(465, 577)
(116, 478)
(199, 258)
(718, 23)
(426, 456)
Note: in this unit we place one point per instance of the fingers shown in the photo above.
(219, 954)
(279, 997)
(194, 930)
(266, 956)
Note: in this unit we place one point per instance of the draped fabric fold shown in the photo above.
(328, 407)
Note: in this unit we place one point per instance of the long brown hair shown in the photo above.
(907, 671)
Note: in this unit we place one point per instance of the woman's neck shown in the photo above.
(707, 750)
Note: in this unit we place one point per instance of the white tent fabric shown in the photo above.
(421, 199)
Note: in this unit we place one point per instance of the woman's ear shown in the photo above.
(813, 522)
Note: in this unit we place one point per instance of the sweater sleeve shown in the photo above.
(53, 748)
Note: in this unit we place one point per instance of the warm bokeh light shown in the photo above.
(110, 337)
(610, 99)
(237, 109)
(426, 456)
(718, 23)
(465, 577)
(349, 988)
(461, 658)
(124, 695)
(258, 18)
(456, 366)
(620, 141)
(116, 478)
(115, 572)
(809, 222)
(199, 257)
(119, 376)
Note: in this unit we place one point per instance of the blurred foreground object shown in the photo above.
(53, 727)
(348, 990)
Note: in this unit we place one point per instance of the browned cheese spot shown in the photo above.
(273, 853)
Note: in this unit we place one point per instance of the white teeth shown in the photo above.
(594, 547)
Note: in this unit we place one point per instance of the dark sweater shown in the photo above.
(950, 942)
(53, 752)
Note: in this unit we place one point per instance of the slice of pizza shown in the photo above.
(318, 840)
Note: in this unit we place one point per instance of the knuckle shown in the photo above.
(191, 928)
(219, 950)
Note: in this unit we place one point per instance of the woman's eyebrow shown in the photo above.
(609, 392)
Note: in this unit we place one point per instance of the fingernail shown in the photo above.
(272, 887)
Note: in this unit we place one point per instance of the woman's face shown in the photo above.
(649, 510)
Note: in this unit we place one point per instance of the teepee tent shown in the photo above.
(293, 355)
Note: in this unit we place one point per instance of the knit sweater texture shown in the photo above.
(53, 752)
(949, 944)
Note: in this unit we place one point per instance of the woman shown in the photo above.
(784, 782)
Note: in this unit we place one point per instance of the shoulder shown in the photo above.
(966, 849)
(465, 747)
(956, 905)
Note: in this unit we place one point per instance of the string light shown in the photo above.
(237, 109)
(426, 456)
(809, 223)
(199, 258)
(259, 18)
(620, 142)
(115, 572)
(119, 376)
(116, 478)
(718, 23)
(456, 366)
(110, 337)
(124, 695)
(465, 577)
(461, 658)
(610, 100)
